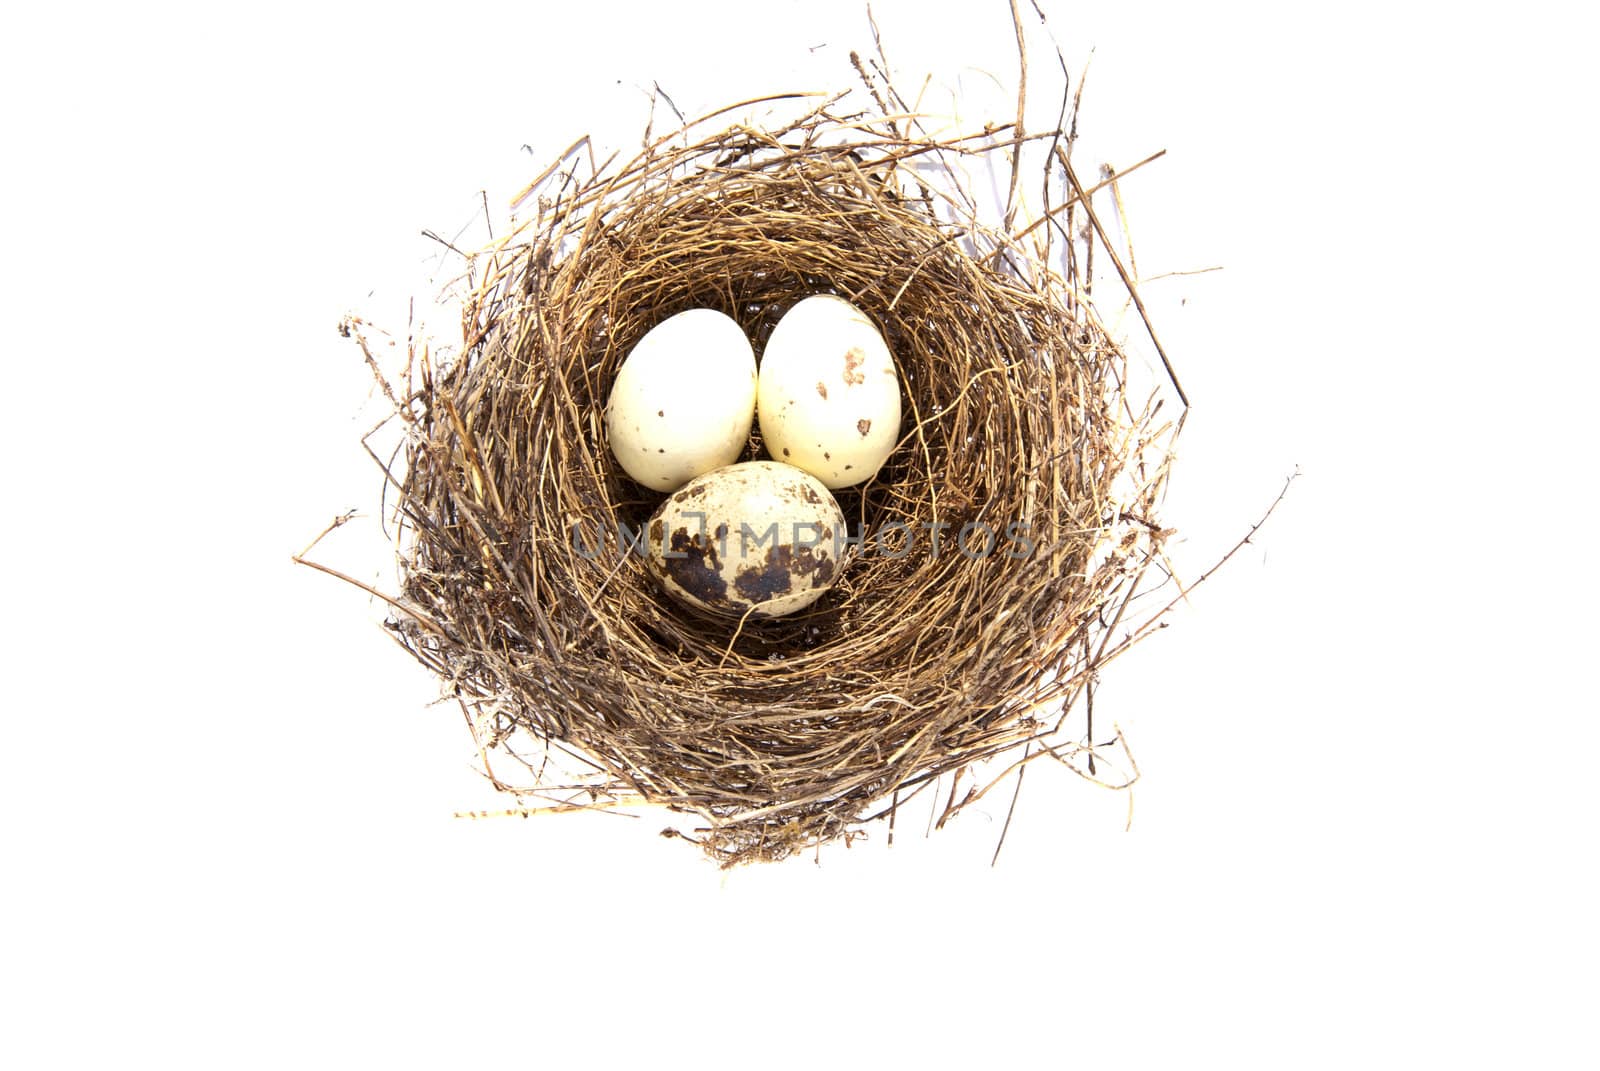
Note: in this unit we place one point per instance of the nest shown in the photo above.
(1028, 453)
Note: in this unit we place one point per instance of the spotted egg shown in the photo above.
(682, 400)
(828, 395)
(759, 538)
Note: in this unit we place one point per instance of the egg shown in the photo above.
(828, 395)
(759, 537)
(683, 400)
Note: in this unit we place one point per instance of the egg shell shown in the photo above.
(757, 537)
(683, 400)
(828, 397)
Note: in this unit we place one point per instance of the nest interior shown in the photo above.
(1025, 453)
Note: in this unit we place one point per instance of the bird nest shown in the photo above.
(1000, 544)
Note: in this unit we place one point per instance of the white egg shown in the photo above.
(683, 400)
(828, 398)
(758, 538)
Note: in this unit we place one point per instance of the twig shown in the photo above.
(1127, 280)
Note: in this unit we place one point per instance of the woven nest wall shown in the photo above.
(1026, 448)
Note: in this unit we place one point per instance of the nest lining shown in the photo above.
(917, 667)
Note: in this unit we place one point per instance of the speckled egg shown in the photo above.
(760, 537)
(683, 400)
(828, 397)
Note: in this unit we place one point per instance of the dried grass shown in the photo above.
(916, 671)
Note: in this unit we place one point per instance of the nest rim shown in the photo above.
(796, 731)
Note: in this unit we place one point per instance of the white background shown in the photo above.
(1364, 832)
